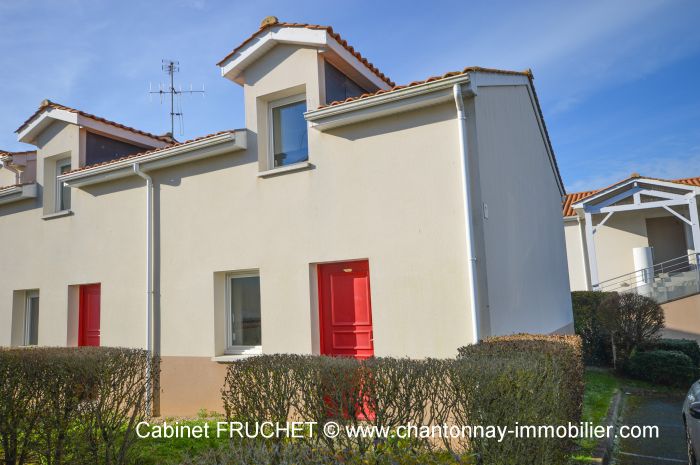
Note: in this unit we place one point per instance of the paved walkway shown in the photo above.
(662, 410)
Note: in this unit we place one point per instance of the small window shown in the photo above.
(243, 313)
(31, 319)
(289, 131)
(62, 190)
(339, 86)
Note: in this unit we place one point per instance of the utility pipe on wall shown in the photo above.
(468, 223)
(149, 280)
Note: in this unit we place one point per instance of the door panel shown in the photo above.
(89, 318)
(345, 309)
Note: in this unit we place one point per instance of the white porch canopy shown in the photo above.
(637, 193)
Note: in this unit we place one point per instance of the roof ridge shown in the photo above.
(329, 29)
(46, 103)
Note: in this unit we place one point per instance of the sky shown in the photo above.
(619, 81)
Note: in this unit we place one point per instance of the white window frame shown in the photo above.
(271, 130)
(27, 315)
(238, 349)
(59, 185)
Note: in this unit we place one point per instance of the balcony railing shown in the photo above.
(665, 281)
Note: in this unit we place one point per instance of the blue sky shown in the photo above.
(619, 81)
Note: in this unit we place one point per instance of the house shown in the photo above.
(350, 216)
(641, 234)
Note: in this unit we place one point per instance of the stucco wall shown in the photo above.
(525, 249)
(576, 255)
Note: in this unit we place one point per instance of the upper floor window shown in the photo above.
(62, 191)
(289, 131)
(339, 86)
(31, 318)
(243, 313)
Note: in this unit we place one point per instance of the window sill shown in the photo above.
(304, 165)
(60, 214)
(234, 357)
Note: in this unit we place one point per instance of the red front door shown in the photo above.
(345, 309)
(89, 318)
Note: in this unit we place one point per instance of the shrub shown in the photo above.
(631, 320)
(505, 396)
(288, 453)
(596, 342)
(523, 379)
(688, 346)
(71, 405)
(666, 367)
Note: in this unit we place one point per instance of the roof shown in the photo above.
(576, 197)
(469, 69)
(267, 24)
(49, 104)
(5, 153)
(149, 152)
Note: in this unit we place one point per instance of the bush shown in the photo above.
(506, 369)
(288, 453)
(534, 380)
(631, 320)
(71, 405)
(666, 367)
(688, 346)
(596, 342)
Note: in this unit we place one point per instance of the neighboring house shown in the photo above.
(333, 223)
(639, 235)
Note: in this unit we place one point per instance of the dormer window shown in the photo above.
(289, 138)
(62, 191)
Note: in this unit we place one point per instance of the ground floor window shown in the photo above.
(31, 319)
(243, 313)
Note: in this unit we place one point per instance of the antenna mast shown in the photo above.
(171, 67)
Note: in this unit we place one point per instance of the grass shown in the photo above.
(162, 451)
(600, 389)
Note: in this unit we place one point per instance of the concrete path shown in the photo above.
(662, 410)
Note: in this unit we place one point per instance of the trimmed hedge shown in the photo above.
(687, 346)
(528, 380)
(666, 367)
(596, 341)
(71, 405)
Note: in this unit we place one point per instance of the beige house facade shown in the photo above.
(639, 235)
(350, 216)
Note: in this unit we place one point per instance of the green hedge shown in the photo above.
(70, 405)
(665, 367)
(596, 342)
(503, 381)
(688, 346)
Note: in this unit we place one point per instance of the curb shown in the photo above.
(605, 449)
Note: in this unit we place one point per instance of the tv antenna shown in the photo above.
(171, 67)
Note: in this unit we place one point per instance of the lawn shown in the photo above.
(601, 386)
(151, 451)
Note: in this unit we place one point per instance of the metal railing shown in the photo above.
(668, 280)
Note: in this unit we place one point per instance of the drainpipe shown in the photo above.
(149, 280)
(468, 223)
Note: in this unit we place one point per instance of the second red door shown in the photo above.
(345, 309)
(89, 315)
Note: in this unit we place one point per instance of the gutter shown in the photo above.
(408, 98)
(468, 223)
(149, 281)
(159, 158)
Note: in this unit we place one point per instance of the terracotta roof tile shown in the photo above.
(23, 152)
(49, 104)
(469, 69)
(330, 32)
(576, 197)
(149, 152)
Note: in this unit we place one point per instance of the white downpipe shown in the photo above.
(469, 226)
(149, 280)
